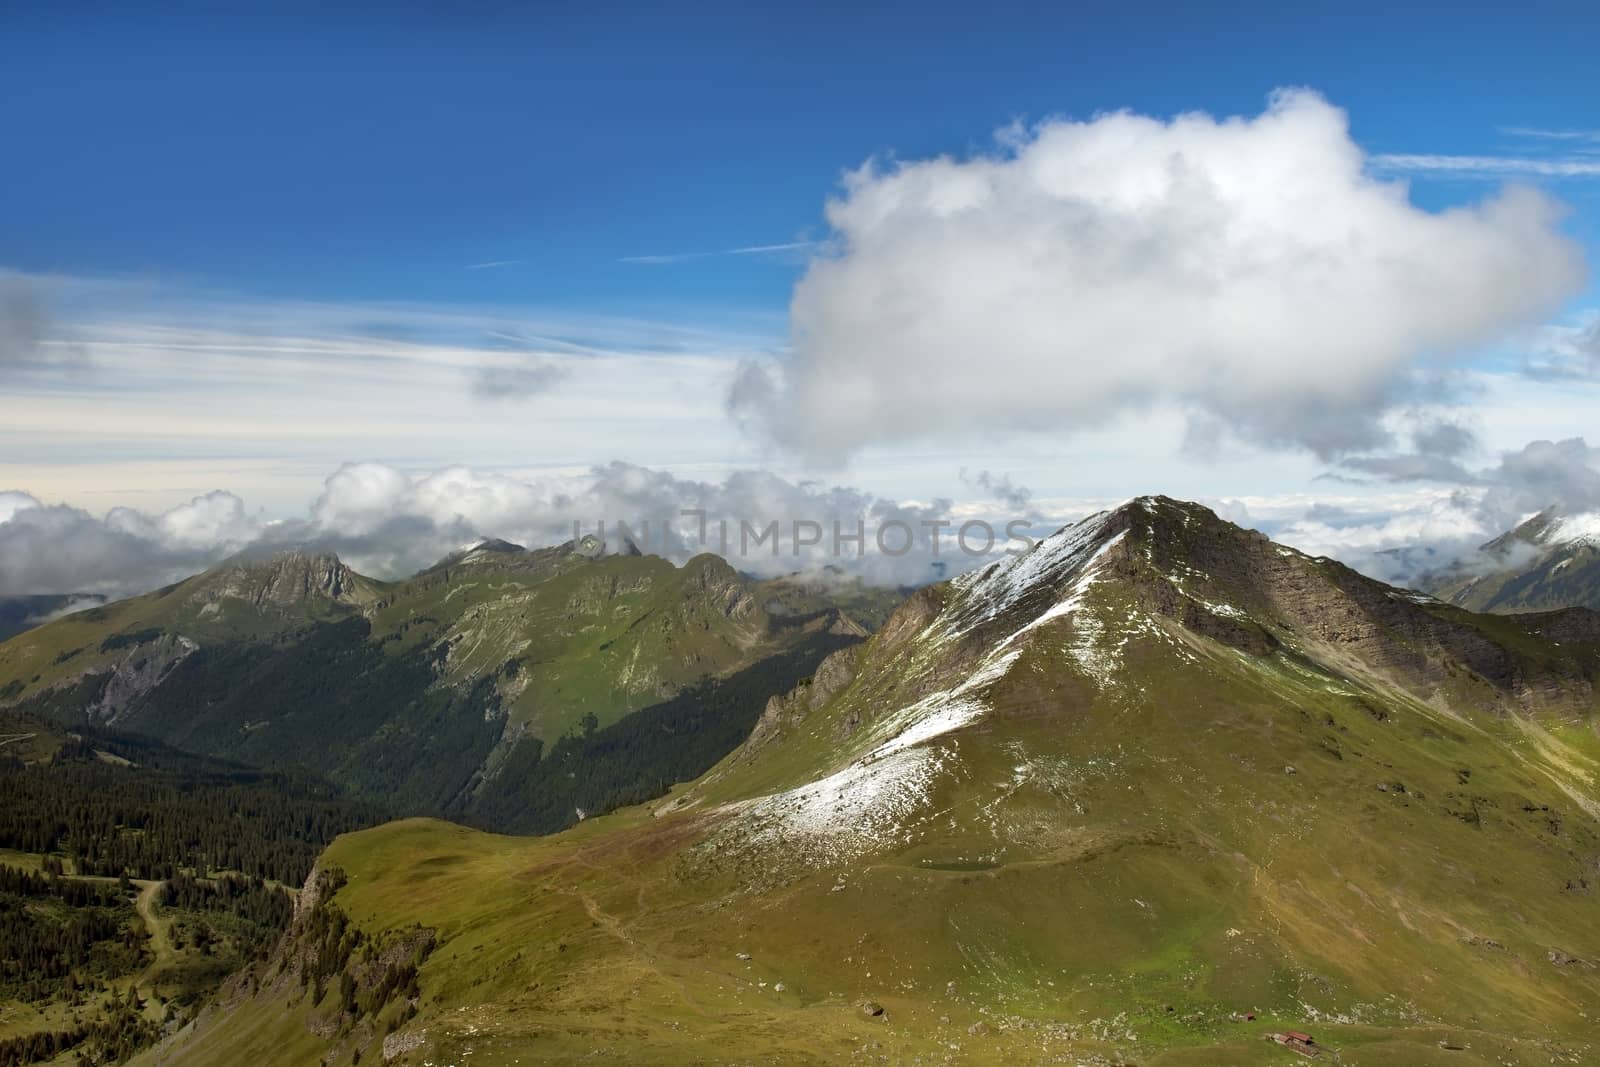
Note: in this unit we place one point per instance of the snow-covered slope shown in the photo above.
(896, 759)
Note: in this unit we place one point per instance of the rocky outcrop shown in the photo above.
(911, 616)
(401, 1042)
(833, 674)
(784, 712)
(1236, 587)
(597, 592)
(713, 579)
(311, 893)
(284, 580)
(140, 670)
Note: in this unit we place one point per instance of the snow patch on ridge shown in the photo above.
(1087, 645)
(872, 801)
(999, 587)
(1576, 529)
(1074, 598)
(875, 800)
(835, 819)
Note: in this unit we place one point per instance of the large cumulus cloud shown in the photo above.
(1249, 269)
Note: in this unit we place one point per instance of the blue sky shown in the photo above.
(373, 156)
(249, 252)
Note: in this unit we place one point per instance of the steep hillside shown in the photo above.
(440, 693)
(1550, 561)
(1149, 794)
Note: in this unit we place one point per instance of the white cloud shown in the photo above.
(27, 315)
(60, 549)
(390, 523)
(12, 502)
(1250, 270)
(216, 518)
(266, 398)
(1399, 536)
(1566, 350)
(1397, 543)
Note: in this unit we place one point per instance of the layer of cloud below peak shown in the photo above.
(390, 524)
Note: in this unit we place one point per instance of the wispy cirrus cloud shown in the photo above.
(1489, 167)
(1549, 134)
(492, 264)
(748, 250)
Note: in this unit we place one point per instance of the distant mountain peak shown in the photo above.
(1537, 529)
(1583, 528)
(492, 545)
(282, 578)
(484, 550)
(1547, 561)
(1551, 526)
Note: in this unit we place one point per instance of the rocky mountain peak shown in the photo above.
(1582, 528)
(1537, 530)
(491, 546)
(489, 551)
(1152, 544)
(285, 578)
(1554, 527)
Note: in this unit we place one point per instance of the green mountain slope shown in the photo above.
(131, 644)
(1148, 794)
(423, 694)
(1551, 561)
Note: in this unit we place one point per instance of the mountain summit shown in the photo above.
(1150, 792)
(285, 578)
(1106, 611)
(1551, 560)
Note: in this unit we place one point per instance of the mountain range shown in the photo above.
(1159, 791)
(449, 692)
